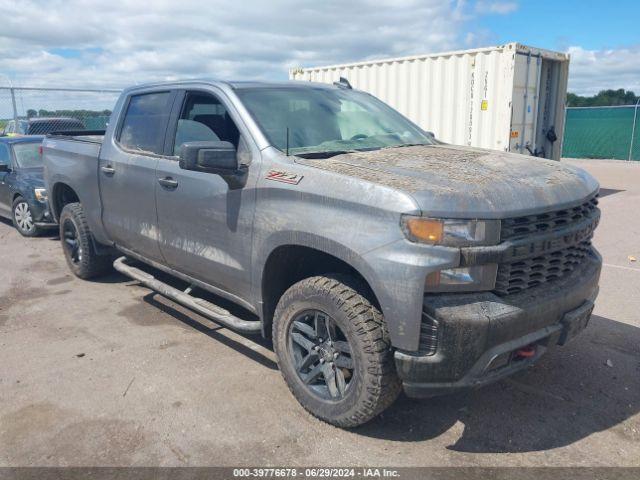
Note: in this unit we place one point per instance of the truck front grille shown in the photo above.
(547, 222)
(523, 273)
(517, 276)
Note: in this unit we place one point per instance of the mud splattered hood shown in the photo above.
(467, 183)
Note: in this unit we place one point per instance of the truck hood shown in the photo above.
(32, 176)
(460, 182)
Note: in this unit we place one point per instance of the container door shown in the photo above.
(550, 110)
(524, 109)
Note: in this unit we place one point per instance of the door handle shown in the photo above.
(168, 182)
(108, 170)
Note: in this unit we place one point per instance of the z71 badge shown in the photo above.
(283, 176)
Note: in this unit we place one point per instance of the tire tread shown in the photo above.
(381, 383)
(92, 264)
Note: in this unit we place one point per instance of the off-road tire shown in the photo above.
(376, 382)
(33, 231)
(90, 264)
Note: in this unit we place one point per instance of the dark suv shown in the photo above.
(23, 197)
(42, 126)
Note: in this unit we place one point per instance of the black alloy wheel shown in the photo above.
(322, 354)
(71, 242)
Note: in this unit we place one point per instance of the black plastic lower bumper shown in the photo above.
(41, 215)
(478, 335)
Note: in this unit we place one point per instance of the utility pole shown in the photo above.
(15, 109)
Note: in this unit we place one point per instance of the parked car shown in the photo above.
(42, 126)
(23, 197)
(376, 257)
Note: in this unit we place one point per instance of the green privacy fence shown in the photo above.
(98, 122)
(602, 132)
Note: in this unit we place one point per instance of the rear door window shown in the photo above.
(145, 122)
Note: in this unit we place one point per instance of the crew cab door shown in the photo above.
(127, 172)
(206, 226)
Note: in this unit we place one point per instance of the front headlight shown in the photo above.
(41, 194)
(451, 232)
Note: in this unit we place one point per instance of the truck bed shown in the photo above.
(71, 160)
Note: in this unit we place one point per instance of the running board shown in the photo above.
(199, 305)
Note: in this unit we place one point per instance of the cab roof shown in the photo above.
(236, 85)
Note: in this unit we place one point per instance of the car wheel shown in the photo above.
(23, 218)
(334, 352)
(78, 244)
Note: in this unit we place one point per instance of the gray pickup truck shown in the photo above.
(377, 258)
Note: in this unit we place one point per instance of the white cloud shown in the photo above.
(499, 7)
(116, 43)
(84, 43)
(595, 70)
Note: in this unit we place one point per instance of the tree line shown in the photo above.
(31, 113)
(604, 98)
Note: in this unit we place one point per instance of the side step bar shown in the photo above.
(199, 305)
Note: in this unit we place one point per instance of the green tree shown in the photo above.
(604, 98)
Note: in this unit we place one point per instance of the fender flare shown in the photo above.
(316, 242)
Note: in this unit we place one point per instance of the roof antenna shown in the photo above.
(287, 145)
(343, 83)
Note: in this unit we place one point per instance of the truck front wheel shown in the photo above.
(333, 350)
(77, 244)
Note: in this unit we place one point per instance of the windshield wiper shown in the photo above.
(323, 154)
(407, 145)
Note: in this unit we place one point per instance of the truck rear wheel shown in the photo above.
(77, 244)
(333, 351)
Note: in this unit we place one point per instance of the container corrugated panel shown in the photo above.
(490, 98)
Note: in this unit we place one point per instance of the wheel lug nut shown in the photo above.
(316, 348)
(320, 340)
(335, 355)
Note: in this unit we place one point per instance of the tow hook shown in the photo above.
(526, 352)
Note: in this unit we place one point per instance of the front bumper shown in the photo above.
(41, 215)
(477, 334)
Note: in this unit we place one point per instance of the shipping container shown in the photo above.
(510, 97)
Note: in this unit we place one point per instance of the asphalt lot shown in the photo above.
(107, 373)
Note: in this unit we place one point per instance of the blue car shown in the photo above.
(23, 197)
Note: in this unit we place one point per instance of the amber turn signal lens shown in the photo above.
(425, 229)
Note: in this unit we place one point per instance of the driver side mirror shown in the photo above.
(4, 168)
(212, 157)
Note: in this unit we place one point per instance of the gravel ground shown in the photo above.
(107, 373)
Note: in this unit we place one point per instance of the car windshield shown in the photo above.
(328, 120)
(27, 155)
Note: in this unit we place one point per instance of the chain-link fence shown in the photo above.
(602, 132)
(37, 111)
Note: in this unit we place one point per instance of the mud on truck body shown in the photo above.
(376, 258)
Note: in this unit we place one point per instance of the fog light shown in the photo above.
(462, 279)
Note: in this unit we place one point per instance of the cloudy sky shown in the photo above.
(116, 43)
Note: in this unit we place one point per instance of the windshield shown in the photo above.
(27, 155)
(324, 120)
